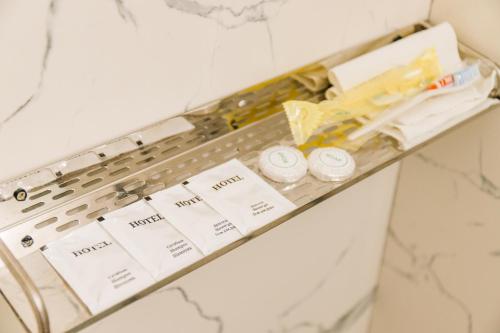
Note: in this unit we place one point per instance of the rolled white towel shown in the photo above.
(365, 67)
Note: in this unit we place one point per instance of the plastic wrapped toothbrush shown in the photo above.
(365, 99)
(448, 84)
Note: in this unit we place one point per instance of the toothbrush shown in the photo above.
(447, 84)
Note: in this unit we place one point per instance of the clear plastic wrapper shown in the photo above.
(368, 98)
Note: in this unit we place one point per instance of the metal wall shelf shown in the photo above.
(238, 126)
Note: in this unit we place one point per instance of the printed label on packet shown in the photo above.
(150, 239)
(187, 212)
(240, 195)
(98, 269)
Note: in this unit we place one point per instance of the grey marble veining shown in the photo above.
(51, 12)
(226, 14)
(124, 12)
(197, 306)
(345, 321)
(76, 67)
(440, 269)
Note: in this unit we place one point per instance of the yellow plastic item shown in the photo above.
(366, 99)
(336, 136)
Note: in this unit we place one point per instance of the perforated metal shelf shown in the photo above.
(239, 126)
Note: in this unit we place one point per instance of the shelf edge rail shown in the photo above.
(29, 288)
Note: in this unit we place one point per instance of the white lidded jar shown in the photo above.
(331, 164)
(283, 164)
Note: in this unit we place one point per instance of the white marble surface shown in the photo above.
(475, 21)
(9, 321)
(441, 264)
(78, 73)
(441, 271)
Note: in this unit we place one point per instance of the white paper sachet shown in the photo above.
(153, 242)
(240, 195)
(98, 269)
(188, 213)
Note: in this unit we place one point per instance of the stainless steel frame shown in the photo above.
(29, 288)
(237, 126)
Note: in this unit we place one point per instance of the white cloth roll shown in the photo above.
(442, 37)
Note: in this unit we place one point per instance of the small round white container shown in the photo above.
(331, 164)
(283, 164)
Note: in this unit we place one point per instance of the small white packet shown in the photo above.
(188, 213)
(240, 195)
(98, 269)
(150, 239)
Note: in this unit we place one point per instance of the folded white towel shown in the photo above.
(440, 113)
(441, 37)
(433, 115)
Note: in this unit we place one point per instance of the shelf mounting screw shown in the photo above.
(20, 194)
(27, 241)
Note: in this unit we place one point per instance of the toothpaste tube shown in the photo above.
(448, 84)
(456, 79)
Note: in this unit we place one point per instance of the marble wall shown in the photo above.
(441, 263)
(78, 73)
(476, 22)
(9, 322)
